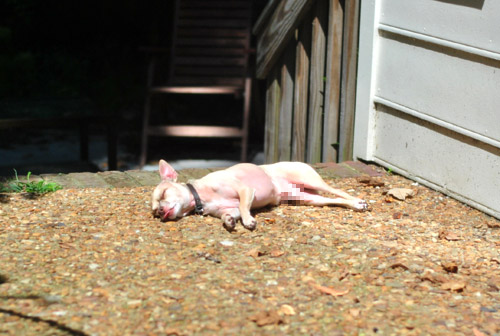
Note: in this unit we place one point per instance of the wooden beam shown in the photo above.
(278, 31)
(196, 131)
(264, 16)
(197, 89)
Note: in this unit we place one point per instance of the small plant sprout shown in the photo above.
(31, 187)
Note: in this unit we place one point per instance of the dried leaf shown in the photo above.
(287, 310)
(494, 284)
(329, 290)
(397, 215)
(276, 253)
(493, 224)
(255, 253)
(433, 277)
(401, 193)
(448, 235)
(399, 265)
(266, 318)
(354, 312)
(344, 274)
(454, 286)
(449, 266)
(101, 291)
(371, 182)
(172, 332)
(308, 278)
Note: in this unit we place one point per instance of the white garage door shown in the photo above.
(428, 95)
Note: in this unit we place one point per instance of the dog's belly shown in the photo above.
(263, 198)
(256, 178)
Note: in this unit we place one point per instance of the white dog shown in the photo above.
(230, 194)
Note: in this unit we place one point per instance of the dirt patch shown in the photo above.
(95, 262)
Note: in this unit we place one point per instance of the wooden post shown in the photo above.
(349, 63)
(246, 116)
(272, 117)
(317, 82)
(301, 92)
(332, 85)
(286, 108)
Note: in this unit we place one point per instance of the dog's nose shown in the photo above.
(163, 209)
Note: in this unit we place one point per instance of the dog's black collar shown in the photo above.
(198, 207)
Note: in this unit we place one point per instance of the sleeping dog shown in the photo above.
(230, 194)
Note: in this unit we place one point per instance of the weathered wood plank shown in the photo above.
(301, 91)
(272, 118)
(279, 30)
(196, 131)
(332, 85)
(349, 64)
(308, 117)
(264, 16)
(317, 82)
(286, 107)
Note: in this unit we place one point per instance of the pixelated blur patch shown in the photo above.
(293, 196)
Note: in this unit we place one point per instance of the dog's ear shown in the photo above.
(167, 173)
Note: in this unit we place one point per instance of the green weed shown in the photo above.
(31, 187)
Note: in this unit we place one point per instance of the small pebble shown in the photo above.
(93, 267)
(488, 309)
(227, 243)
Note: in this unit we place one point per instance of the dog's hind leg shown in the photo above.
(311, 198)
(305, 177)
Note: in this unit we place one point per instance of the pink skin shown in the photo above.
(230, 194)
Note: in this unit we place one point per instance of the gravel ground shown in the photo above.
(95, 262)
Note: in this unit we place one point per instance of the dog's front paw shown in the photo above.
(229, 222)
(249, 223)
(359, 205)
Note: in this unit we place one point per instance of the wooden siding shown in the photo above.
(427, 98)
